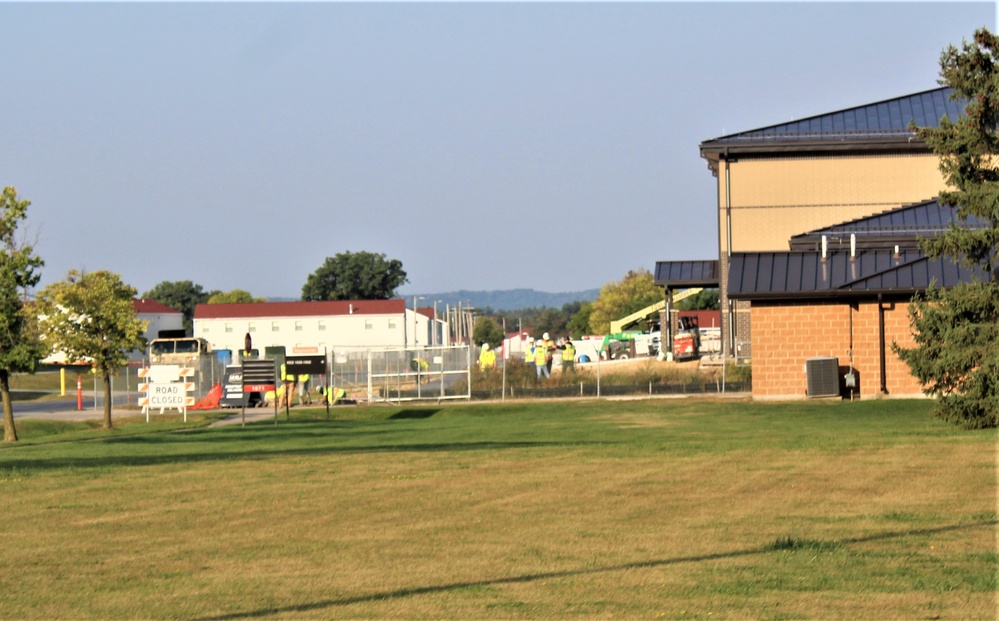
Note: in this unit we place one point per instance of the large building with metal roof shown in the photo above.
(857, 178)
(843, 292)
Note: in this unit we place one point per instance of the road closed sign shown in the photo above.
(171, 395)
(166, 395)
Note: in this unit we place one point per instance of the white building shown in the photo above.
(327, 326)
(158, 318)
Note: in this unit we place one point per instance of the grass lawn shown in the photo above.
(586, 509)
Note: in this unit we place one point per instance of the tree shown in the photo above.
(618, 299)
(956, 331)
(236, 296)
(90, 316)
(707, 299)
(20, 345)
(487, 331)
(181, 296)
(579, 323)
(355, 276)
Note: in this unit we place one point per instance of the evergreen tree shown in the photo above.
(957, 330)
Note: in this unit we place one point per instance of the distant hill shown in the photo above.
(511, 299)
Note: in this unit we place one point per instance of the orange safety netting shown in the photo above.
(211, 400)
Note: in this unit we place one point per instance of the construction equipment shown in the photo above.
(618, 345)
(620, 324)
(687, 341)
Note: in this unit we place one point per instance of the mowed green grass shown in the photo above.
(585, 509)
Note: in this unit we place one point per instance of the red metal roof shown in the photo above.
(152, 307)
(299, 309)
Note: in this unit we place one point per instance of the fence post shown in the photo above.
(370, 392)
(598, 376)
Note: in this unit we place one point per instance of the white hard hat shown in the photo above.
(540, 342)
(485, 346)
(545, 336)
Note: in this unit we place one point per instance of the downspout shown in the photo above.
(881, 345)
(728, 253)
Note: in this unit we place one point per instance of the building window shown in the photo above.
(322, 325)
(298, 326)
(228, 328)
(252, 327)
(275, 327)
(369, 325)
(391, 324)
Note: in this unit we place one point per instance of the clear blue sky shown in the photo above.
(486, 146)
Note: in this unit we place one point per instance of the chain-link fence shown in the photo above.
(451, 372)
(515, 379)
(396, 375)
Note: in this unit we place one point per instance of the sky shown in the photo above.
(486, 146)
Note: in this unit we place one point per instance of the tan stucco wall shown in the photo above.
(774, 199)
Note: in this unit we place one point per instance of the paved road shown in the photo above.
(65, 409)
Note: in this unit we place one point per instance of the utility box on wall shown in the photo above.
(822, 376)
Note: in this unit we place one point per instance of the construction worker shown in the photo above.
(487, 358)
(549, 352)
(541, 359)
(303, 389)
(528, 351)
(289, 385)
(568, 355)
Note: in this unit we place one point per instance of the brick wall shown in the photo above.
(785, 334)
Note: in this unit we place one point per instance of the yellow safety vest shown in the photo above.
(569, 353)
(540, 356)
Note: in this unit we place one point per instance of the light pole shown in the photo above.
(416, 335)
(434, 336)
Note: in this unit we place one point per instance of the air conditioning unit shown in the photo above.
(822, 375)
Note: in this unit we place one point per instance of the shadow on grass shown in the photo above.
(413, 414)
(257, 442)
(444, 588)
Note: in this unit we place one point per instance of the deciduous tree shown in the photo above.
(956, 355)
(487, 331)
(236, 296)
(618, 299)
(181, 295)
(20, 346)
(90, 316)
(355, 276)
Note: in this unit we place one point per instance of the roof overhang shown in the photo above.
(716, 151)
(687, 274)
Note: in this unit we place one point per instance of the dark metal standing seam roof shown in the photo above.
(883, 119)
(903, 226)
(804, 275)
(686, 274)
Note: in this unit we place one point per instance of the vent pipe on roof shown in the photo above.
(825, 247)
(896, 252)
(853, 246)
(351, 310)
